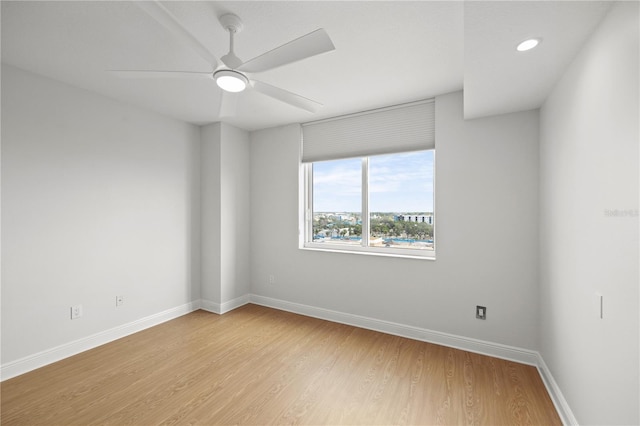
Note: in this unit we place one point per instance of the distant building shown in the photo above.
(425, 218)
(344, 217)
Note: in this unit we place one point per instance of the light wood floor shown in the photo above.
(257, 365)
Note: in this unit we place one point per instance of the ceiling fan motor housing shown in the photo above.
(231, 22)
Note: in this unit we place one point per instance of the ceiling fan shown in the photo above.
(229, 72)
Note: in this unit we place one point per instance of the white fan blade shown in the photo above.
(228, 104)
(304, 47)
(286, 97)
(162, 15)
(161, 74)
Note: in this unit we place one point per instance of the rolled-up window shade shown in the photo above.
(408, 127)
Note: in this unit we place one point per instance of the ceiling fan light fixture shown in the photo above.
(231, 81)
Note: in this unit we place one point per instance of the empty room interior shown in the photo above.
(319, 212)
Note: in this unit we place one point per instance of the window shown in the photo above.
(384, 203)
(370, 194)
(336, 212)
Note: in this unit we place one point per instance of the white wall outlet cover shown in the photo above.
(76, 311)
(481, 312)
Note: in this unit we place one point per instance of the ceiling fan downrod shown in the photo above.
(233, 25)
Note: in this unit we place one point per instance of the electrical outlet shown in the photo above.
(119, 301)
(481, 312)
(76, 311)
(272, 279)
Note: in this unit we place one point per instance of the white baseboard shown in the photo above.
(562, 407)
(223, 308)
(497, 350)
(31, 362)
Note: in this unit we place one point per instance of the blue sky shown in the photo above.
(397, 183)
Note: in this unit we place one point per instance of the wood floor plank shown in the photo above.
(256, 366)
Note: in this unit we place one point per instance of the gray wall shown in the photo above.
(486, 231)
(99, 199)
(211, 137)
(589, 166)
(226, 212)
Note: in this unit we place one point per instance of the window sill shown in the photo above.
(372, 251)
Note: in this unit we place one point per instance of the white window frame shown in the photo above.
(306, 221)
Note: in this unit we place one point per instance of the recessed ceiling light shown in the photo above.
(231, 81)
(528, 44)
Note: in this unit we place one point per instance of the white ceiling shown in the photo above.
(499, 79)
(387, 52)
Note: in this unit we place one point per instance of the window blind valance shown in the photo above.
(408, 127)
